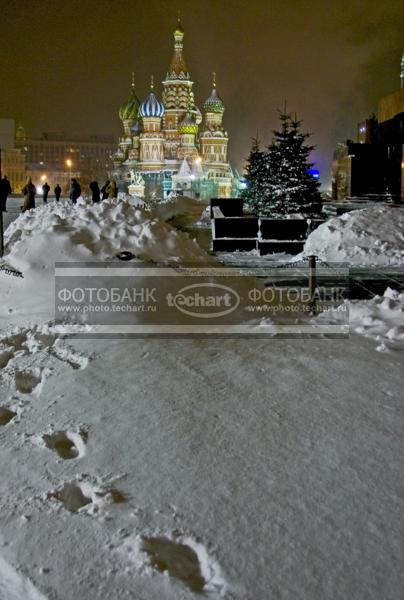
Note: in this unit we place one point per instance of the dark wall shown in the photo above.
(391, 134)
(230, 227)
(369, 167)
(230, 207)
(283, 229)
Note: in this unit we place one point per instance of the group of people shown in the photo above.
(108, 190)
(29, 192)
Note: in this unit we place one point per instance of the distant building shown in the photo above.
(374, 164)
(56, 158)
(171, 143)
(12, 158)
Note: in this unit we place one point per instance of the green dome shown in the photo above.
(188, 125)
(214, 103)
(129, 110)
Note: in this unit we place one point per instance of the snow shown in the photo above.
(178, 469)
(372, 236)
(15, 586)
(381, 318)
(60, 231)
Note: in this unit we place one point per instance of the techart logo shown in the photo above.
(205, 300)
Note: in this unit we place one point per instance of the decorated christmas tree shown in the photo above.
(279, 181)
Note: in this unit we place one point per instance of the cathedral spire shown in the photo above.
(178, 68)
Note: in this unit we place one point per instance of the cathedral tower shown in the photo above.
(213, 138)
(152, 139)
(178, 97)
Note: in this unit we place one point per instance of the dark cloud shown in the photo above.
(66, 65)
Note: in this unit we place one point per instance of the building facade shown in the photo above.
(12, 158)
(173, 145)
(55, 158)
(374, 164)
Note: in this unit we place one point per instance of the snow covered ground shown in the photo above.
(178, 469)
(371, 236)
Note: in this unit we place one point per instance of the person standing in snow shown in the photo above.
(104, 194)
(45, 192)
(58, 191)
(75, 191)
(112, 190)
(29, 191)
(95, 191)
(5, 190)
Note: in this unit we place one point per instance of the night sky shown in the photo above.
(66, 65)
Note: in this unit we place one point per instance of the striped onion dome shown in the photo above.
(129, 110)
(188, 124)
(151, 107)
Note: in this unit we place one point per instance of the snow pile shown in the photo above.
(61, 232)
(372, 236)
(181, 211)
(381, 318)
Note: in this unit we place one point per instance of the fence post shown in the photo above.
(312, 284)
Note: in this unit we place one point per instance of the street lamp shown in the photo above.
(69, 166)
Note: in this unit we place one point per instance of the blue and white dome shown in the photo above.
(151, 107)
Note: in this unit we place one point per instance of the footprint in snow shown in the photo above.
(6, 415)
(75, 495)
(66, 444)
(5, 357)
(26, 381)
(186, 560)
(177, 559)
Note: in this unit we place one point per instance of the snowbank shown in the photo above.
(181, 211)
(372, 236)
(61, 232)
(381, 318)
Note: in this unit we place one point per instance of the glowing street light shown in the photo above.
(69, 166)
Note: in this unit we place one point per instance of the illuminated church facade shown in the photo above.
(171, 143)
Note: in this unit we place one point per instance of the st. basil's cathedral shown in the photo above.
(169, 144)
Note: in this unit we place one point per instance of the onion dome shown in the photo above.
(119, 155)
(129, 110)
(151, 107)
(179, 30)
(188, 124)
(214, 104)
